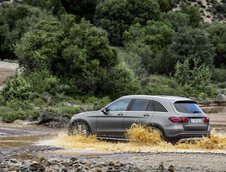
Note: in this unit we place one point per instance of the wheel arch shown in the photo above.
(81, 120)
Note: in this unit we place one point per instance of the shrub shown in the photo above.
(161, 85)
(219, 75)
(102, 103)
(16, 88)
(11, 116)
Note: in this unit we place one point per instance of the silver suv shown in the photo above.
(175, 117)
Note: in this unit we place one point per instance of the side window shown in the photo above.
(140, 105)
(120, 105)
(158, 107)
(151, 106)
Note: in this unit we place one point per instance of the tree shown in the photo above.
(165, 5)
(82, 57)
(193, 43)
(16, 19)
(176, 19)
(217, 36)
(116, 16)
(82, 8)
(193, 12)
(152, 44)
(54, 6)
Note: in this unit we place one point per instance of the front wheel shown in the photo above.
(79, 128)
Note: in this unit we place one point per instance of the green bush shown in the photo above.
(195, 77)
(162, 85)
(16, 88)
(219, 75)
(10, 116)
(68, 111)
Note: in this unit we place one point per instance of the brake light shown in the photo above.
(206, 119)
(175, 119)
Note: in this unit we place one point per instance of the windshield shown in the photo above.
(187, 107)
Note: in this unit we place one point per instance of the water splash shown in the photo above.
(141, 139)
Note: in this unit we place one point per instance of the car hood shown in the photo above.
(84, 114)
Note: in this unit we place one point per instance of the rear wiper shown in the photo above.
(196, 111)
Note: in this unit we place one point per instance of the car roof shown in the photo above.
(158, 97)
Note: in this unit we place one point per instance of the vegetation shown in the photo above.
(65, 50)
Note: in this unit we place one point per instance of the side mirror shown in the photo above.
(105, 110)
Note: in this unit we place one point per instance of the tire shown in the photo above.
(79, 128)
(162, 136)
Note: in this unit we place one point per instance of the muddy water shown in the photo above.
(141, 140)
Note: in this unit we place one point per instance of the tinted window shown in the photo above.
(140, 105)
(151, 106)
(187, 107)
(159, 107)
(120, 105)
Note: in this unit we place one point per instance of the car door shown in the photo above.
(110, 123)
(138, 113)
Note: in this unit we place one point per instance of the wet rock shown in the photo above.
(36, 167)
(13, 160)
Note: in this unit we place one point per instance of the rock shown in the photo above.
(36, 167)
(13, 161)
(171, 168)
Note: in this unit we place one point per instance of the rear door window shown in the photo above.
(187, 107)
(140, 105)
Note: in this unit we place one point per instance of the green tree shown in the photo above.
(82, 8)
(16, 19)
(82, 57)
(152, 44)
(217, 36)
(54, 6)
(165, 5)
(193, 43)
(176, 19)
(193, 12)
(116, 16)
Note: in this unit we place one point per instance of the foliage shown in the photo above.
(194, 77)
(15, 20)
(116, 16)
(68, 111)
(152, 44)
(162, 85)
(82, 8)
(16, 88)
(165, 5)
(193, 12)
(217, 36)
(121, 81)
(219, 74)
(11, 115)
(176, 19)
(193, 43)
(54, 6)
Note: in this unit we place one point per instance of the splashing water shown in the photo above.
(141, 139)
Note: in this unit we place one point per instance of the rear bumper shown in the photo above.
(180, 133)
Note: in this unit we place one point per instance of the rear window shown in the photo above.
(187, 107)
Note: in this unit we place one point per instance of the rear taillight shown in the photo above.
(178, 119)
(206, 119)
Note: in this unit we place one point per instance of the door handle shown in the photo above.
(146, 114)
(120, 114)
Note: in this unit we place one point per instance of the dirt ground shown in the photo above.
(19, 143)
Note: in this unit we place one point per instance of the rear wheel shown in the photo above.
(79, 128)
(162, 136)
